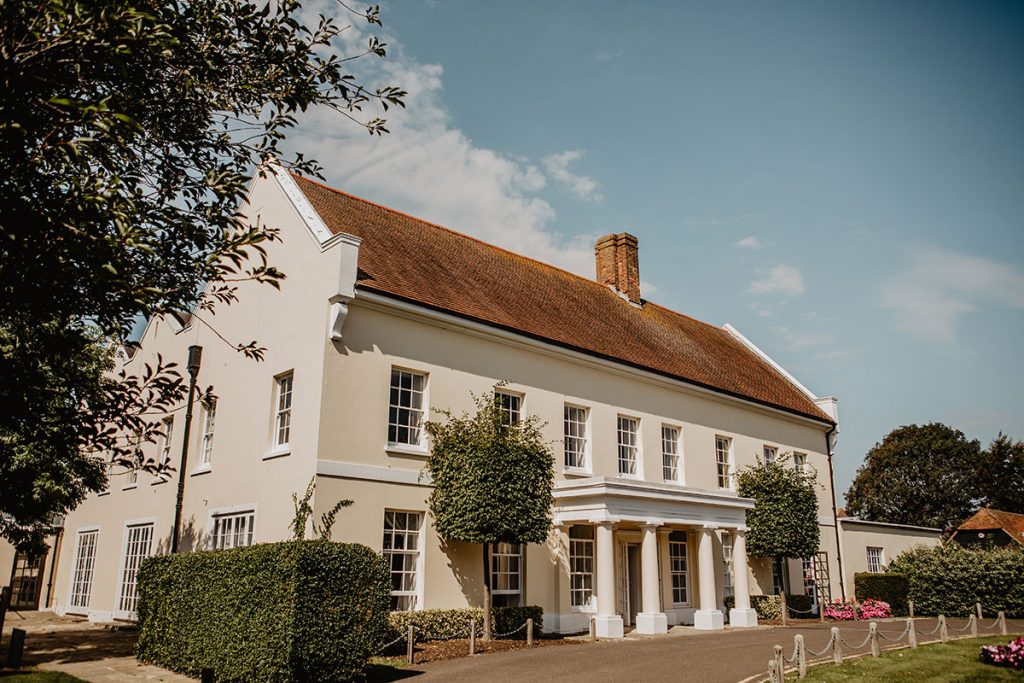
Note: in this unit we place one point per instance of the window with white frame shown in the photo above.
(670, 469)
(232, 529)
(679, 567)
(581, 565)
(167, 426)
(209, 419)
(727, 567)
(770, 453)
(807, 567)
(510, 405)
(575, 437)
(800, 462)
(283, 409)
(780, 575)
(723, 460)
(402, 549)
(506, 574)
(138, 544)
(84, 567)
(405, 413)
(136, 461)
(876, 560)
(628, 445)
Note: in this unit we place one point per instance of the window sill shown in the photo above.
(158, 482)
(201, 469)
(129, 487)
(278, 452)
(576, 472)
(586, 609)
(405, 449)
(104, 493)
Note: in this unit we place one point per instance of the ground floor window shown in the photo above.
(875, 561)
(779, 579)
(85, 564)
(506, 574)
(138, 544)
(727, 572)
(679, 568)
(581, 565)
(402, 549)
(232, 530)
(27, 580)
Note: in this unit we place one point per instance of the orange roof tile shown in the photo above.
(427, 264)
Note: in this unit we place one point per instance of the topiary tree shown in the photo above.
(492, 477)
(784, 521)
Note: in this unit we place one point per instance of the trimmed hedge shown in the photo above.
(950, 579)
(888, 587)
(451, 624)
(275, 612)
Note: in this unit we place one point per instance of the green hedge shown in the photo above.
(293, 611)
(889, 587)
(767, 607)
(950, 579)
(449, 624)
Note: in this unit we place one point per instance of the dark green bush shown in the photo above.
(889, 587)
(450, 624)
(767, 607)
(799, 605)
(950, 579)
(276, 612)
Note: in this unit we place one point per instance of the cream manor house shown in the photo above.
(383, 318)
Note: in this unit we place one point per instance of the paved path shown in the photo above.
(684, 654)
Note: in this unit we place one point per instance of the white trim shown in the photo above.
(316, 226)
(204, 468)
(391, 305)
(351, 470)
(228, 511)
(277, 452)
(766, 358)
(406, 449)
(233, 509)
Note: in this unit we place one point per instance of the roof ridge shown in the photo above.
(485, 243)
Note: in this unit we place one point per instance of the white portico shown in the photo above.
(645, 538)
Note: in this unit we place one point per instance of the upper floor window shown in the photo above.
(209, 417)
(628, 445)
(405, 413)
(136, 461)
(575, 437)
(800, 462)
(770, 453)
(723, 460)
(167, 427)
(283, 410)
(510, 404)
(670, 453)
(876, 562)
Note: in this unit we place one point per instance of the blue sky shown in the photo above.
(843, 182)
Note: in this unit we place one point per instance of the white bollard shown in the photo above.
(837, 647)
(801, 656)
(911, 633)
(873, 637)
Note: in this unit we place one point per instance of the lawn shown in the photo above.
(954, 662)
(37, 677)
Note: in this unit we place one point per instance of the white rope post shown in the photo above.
(529, 633)
(801, 656)
(772, 678)
(911, 633)
(943, 631)
(410, 654)
(855, 609)
(873, 636)
(977, 609)
(1002, 623)
(593, 630)
(780, 666)
(910, 604)
(472, 637)
(973, 621)
(837, 647)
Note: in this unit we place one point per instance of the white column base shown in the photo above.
(708, 620)
(608, 626)
(651, 623)
(742, 618)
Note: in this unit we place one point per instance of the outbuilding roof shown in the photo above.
(987, 519)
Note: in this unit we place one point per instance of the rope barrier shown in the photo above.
(995, 624)
(962, 630)
(867, 639)
(906, 631)
(929, 633)
(828, 646)
(799, 611)
(393, 642)
(502, 635)
(792, 658)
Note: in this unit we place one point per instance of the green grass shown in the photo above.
(37, 677)
(954, 662)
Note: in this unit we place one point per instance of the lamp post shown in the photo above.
(195, 358)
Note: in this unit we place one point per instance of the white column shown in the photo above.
(708, 617)
(607, 623)
(741, 615)
(652, 619)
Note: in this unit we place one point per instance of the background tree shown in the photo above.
(922, 475)
(1002, 475)
(129, 133)
(784, 521)
(492, 481)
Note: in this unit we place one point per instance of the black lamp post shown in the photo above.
(195, 358)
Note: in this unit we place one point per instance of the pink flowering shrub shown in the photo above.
(869, 609)
(1011, 655)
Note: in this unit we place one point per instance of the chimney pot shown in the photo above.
(618, 264)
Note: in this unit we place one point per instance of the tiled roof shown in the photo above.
(987, 518)
(411, 259)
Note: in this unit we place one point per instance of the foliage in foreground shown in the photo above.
(950, 579)
(1010, 655)
(276, 612)
(784, 521)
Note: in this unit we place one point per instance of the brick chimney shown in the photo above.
(618, 264)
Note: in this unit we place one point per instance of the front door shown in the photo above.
(632, 582)
(27, 580)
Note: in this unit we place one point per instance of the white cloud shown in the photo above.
(785, 280)
(799, 341)
(557, 167)
(609, 55)
(939, 286)
(430, 168)
(750, 242)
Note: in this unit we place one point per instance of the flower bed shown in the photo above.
(1010, 655)
(839, 610)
